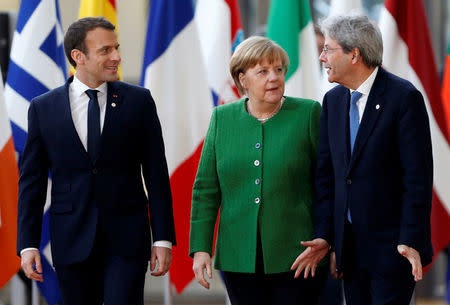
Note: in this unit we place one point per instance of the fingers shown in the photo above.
(300, 258)
(164, 257)
(31, 265)
(209, 270)
(308, 243)
(202, 261)
(153, 260)
(413, 257)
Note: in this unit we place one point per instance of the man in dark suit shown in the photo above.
(375, 171)
(98, 137)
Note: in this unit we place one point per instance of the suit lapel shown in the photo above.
(374, 107)
(68, 126)
(113, 103)
(345, 132)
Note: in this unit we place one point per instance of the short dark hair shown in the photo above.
(76, 34)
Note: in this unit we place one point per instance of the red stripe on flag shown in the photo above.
(235, 17)
(445, 94)
(181, 182)
(9, 178)
(113, 3)
(413, 29)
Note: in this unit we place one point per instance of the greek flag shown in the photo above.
(37, 65)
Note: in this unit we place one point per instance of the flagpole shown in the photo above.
(167, 294)
(18, 291)
(34, 294)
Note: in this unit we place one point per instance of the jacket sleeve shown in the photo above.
(206, 195)
(33, 181)
(416, 161)
(156, 175)
(324, 206)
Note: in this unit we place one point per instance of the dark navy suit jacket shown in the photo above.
(387, 181)
(111, 189)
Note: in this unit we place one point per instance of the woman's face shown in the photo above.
(264, 82)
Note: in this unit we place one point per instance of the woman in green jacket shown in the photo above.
(257, 168)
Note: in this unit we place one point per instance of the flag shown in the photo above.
(408, 54)
(9, 177)
(445, 93)
(220, 31)
(98, 8)
(339, 7)
(291, 26)
(37, 65)
(174, 71)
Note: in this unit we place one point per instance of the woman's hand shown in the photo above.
(308, 260)
(202, 260)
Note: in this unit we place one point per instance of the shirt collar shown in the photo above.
(79, 87)
(365, 87)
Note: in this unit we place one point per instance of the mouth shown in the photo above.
(272, 89)
(112, 68)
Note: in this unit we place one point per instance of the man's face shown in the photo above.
(337, 63)
(100, 62)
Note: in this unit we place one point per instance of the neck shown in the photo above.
(263, 112)
(359, 77)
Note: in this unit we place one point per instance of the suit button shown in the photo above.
(257, 181)
(349, 181)
(256, 162)
(257, 200)
(257, 145)
(95, 171)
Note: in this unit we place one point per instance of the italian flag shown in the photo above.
(290, 25)
(9, 178)
(408, 54)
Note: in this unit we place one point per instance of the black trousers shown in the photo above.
(364, 285)
(273, 289)
(103, 278)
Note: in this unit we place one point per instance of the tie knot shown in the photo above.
(92, 93)
(355, 97)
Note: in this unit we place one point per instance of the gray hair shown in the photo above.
(356, 31)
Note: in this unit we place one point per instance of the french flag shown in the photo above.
(408, 54)
(175, 73)
(220, 30)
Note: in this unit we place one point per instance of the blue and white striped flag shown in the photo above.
(37, 65)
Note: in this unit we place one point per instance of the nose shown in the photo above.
(322, 57)
(274, 75)
(115, 55)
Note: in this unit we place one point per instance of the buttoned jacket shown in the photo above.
(257, 175)
(107, 194)
(386, 181)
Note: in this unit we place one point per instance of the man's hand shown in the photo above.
(164, 257)
(31, 265)
(414, 259)
(202, 261)
(333, 270)
(308, 260)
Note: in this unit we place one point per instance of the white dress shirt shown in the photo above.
(79, 102)
(364, 88)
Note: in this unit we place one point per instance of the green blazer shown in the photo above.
(256, 174)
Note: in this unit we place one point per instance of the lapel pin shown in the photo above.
(114, 95)
(377, 106)
(113, 104)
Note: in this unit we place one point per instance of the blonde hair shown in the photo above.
(253, 51)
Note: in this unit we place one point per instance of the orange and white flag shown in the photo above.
(9, 177)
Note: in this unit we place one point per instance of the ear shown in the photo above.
(243, 80)
(78, 56)
(355, 55)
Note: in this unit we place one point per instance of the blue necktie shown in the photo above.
(93, 143)
(354, 125)
(354, 118)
